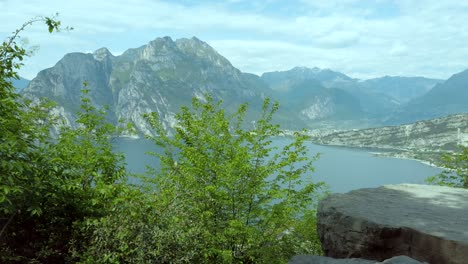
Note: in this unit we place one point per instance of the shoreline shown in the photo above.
(386, 153)
(425, 162)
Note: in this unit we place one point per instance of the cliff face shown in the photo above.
(158, 77)
(436, 134)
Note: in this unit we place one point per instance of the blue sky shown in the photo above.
(364, 39)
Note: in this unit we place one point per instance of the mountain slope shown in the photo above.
(373, 105)
(449, 97)
(282, 80)
(423, 140)
(402, 89)
(316, 103)
(440, 133)
(160, 76)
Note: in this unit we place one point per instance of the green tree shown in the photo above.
(50, 186)
(455, 172)
(19, 130)
(247, 196)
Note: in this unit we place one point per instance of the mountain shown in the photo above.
(282, 80)
(376, 105)
(446, 98)
(20, 83)
(160, 76)
(164, 75)
(316, 103)
(403, 89)
(373, 105)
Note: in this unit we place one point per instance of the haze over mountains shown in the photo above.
(165, 74)
(20, 83)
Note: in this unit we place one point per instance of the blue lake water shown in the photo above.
(343, 169)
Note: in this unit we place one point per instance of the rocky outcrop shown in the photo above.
(327, 260)
(427, 223)
(435, 134)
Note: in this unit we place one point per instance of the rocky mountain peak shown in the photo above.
(160, 76)
(102, 54)
(202, 51)
(159, 50)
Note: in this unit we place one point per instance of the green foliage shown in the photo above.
(245, 194)
(50, 185)
(18, 126)
(140, 231)
(56, 185)
(456, 169)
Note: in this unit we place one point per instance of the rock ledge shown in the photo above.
(426, 223)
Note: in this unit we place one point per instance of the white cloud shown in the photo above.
(339, 39)
(357, 37)
(398, 49)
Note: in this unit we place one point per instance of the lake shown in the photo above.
(343, 169)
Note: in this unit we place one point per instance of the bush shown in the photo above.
(455, 172)
(246, 195)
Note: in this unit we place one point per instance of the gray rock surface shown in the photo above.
(427, 223)
(304, 259)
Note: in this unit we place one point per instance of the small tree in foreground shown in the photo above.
(455, 172)
(246, 195)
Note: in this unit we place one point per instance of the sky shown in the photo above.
(361, 38)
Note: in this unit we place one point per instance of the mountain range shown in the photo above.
(165, 74)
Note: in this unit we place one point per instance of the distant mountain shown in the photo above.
(403, 89)
(282, 80)
(373, 104)
(20, 83)
(165, 74)
(315, 103)
(376, 105)
(160, 76)
(449, 97)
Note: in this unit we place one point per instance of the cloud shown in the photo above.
(366, 38)
(339, 39)
(398, 49)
